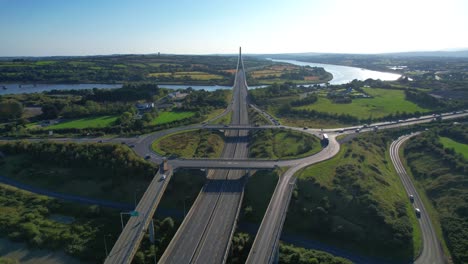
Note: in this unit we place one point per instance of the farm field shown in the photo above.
(88, 122)
(457, 146)
(167, 117)
(288, 72)
(384, 102)
(195, 75)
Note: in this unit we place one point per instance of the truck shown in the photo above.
(324, 139)
(165, 167)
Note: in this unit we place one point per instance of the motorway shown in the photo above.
(206, 232)
(432, 252)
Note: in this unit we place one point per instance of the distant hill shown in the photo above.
(451, 54)
(454, 54)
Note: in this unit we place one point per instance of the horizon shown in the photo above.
(245, 53)
(56, 28)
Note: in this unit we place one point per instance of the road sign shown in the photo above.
(134, 213)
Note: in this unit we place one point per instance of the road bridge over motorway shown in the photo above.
(127, 244)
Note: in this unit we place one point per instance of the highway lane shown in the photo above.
(206, 232)
(266, 242)
(432, 252)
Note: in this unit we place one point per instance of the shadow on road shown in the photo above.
(225, 186)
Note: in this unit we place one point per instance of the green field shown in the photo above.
(167, 117)
(88, 122)
(195, 75)
(190, 144)
(457, 146)
(383, 103)
(277, 144)
(356, 201)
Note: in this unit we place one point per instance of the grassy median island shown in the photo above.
(280, 144)
(356, 201)
(191, 144)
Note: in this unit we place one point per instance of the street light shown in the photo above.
(185, 197)
(105, 244)
(135, 196)
(131, 213)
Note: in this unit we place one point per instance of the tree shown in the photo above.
(147, 117)
(10, 109)
(50, 111)
(125, 118)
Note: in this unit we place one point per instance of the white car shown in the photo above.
(163, 177)
(418, 212)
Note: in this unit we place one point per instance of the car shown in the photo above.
(226, 126)
(123, 142)
(148, 156)
(358, 130)
(411, 198)
(132, 145)
(418, 212)
(100, 141)
(163, 177)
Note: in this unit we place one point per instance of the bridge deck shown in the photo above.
(129, 240)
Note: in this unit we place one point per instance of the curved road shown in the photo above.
(267, 239)
(432, 252)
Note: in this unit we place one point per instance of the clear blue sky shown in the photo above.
(82, 27)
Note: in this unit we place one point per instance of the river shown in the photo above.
(341, 75)
(345, 74)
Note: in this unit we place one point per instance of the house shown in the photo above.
(144, 106)
(177, 96)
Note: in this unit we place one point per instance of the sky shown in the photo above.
(99, 27)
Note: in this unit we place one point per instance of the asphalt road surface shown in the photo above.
(432, 252)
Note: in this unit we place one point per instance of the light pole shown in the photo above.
(185, 197)
(105, 244)
(135, 196)
(131, 213)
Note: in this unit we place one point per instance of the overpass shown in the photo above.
(129, 240)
